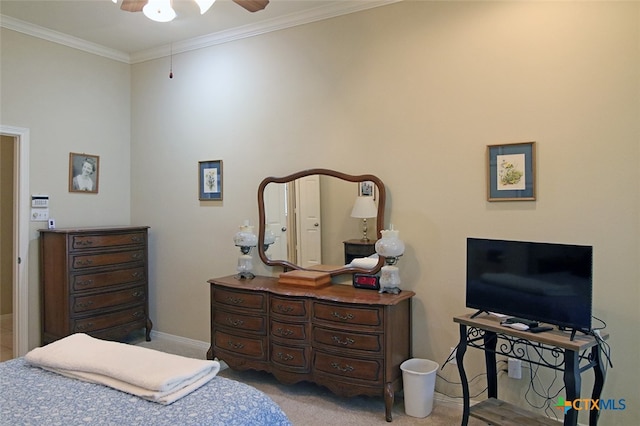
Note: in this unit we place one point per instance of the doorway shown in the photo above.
(15, 236)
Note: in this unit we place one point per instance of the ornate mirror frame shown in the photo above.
(381, 194)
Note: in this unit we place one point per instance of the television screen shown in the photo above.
(545, 282)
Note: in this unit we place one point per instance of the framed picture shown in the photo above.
(511, 172)
(366, 189)
(210, 173)
(83, 173)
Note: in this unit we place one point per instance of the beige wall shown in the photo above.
(411, 92)
(70, 101)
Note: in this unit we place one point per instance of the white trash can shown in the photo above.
(419, 382)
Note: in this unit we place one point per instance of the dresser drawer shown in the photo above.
(98, 322)
(347, 340)
(289, 331)
(346, 314)
(240, 299)
(237, 321)
(110, 299)
(290, 357)
(107, 259)
(84, 242)
(251, 347)
(362, 369)
(105, 279)
(296, 308)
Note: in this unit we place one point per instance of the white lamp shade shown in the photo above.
(364, 208)
(245, 236)
(159, 10)
(390, 245)
(204, 5)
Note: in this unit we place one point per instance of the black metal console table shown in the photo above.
(555, 349)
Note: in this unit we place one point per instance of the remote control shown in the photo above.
(540, 329)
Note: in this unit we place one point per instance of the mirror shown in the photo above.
(308, 216)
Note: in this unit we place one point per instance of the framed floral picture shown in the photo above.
(83, 173)
(511, 172)
(210, 174)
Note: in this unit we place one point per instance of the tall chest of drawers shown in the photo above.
(94, 281)
(350, 340)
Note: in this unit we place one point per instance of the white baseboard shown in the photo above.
(191, 343)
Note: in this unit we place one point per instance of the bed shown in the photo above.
(33, 396)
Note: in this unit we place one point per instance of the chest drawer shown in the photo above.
(291, 308)
(347, 340)
(105, 300)
(347, 314)
(105, 279)
(292, 358)
(289, 331)
(362, 369)
(238, 321)
(247, 346)
(106, 259)
(85, 325)
(88, 241)
(239, 299)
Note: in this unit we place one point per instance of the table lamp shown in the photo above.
(364, 208)
(245, 239)
(391, 247)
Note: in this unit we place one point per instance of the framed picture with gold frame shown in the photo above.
(511, 172)
(84, 173)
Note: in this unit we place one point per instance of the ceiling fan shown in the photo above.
(161, 10)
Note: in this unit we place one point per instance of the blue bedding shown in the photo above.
(32, 396)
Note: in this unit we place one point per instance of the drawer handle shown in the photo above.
(344, 342)
(85, 304)
(235, 322)
(138, 314)
(342, 317)
(234, 345)
(136, 239)
(82, 327)
(283, 332)
(136, 256)
(136, 274)
(138, 294)
(284, 357)
(83, 283)
(84, 243)
(85, 262)
(284, 308)
(234, 300)
(345, 369)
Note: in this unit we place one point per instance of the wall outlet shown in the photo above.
(515, 368)
(453, 353)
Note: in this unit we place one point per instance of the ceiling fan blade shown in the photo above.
(133, 5)
(252, 5)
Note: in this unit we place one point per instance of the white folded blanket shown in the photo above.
(147, 373)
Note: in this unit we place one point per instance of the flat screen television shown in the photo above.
(544, 282)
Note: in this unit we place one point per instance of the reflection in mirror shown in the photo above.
(309, 215)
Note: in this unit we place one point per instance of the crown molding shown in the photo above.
(61, 38)
(287, 21)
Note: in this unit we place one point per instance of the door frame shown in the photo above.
(20, 238)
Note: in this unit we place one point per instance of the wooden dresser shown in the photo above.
(350, 340)
(94, 281)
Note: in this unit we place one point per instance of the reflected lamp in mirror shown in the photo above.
(364, 208)
(269, 238)
(391, 247)
(246, 239)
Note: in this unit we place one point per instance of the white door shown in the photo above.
(275, 207)
(309, 229)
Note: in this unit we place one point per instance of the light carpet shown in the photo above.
(307, 404)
